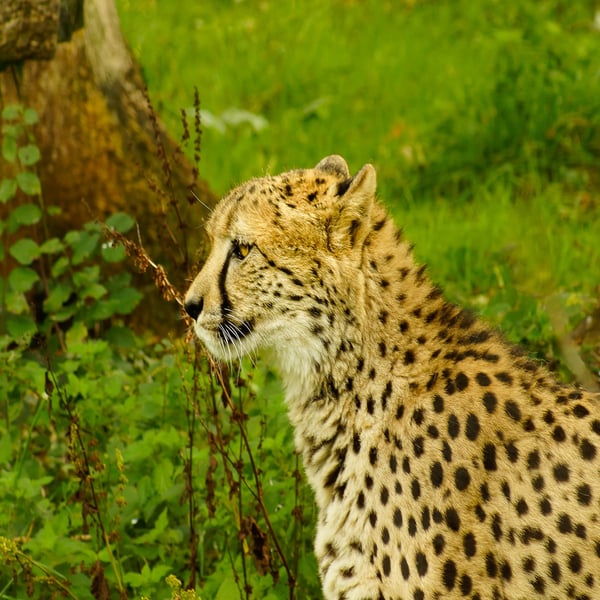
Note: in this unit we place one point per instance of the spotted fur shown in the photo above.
(445, 464)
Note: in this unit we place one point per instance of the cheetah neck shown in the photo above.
(344, 380)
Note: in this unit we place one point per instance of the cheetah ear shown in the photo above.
(351, 220)
(334, 164)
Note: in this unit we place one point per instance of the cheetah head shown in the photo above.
(281, 246)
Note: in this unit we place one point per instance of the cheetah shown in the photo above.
(445, 463)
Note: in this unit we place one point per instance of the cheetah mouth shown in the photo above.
(231, 333)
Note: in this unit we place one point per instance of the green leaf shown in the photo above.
(94, 290)
(11, 112)
(29, 154)
(9, 148)
(227, 590)
(25, 251)
(58, 295)
(26, 214)
(51, 246)
(29, 183)
(30, 116)
(8, 188)
(76, 335)
(22, 279)
(84, 246)
(60, 266)
(113, 253)
(121, 222)
(20, 326)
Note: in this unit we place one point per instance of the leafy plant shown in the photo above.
(122, 465)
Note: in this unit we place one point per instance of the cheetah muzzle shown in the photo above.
(445, 464)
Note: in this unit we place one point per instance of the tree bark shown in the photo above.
(102, 149)
(28, 29)
(99, 142)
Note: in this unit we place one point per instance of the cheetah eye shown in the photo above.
(240, 249)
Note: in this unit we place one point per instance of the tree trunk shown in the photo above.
(102, 149)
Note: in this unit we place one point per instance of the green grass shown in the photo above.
(483, 120)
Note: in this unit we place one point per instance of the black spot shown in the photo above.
(452, 519)
(512, 452)
(425, 519)
(584, 494)
(432, 432)
(453, 426)
(538, 483)
(356, 443)
(438, 544)
(466, 585)
(397, 518)
(431, 383)
(409, 357)
(522, 508)
(462, 478)
(418, 416)
(449, 575)
(506, 571)
(477, 337)
(373, 455)
(497, 527)
(419, 446)
(554, 571)
(360, 501)
(447, 451)
(533, 460)
(587, 449)
(461, 382)
(403, 326)
(490, 401)
(384, 495)
(415, 489)
(386, 565)
(438, 403)
(513, 410)
(370, 405)
(580, 411)
(564, 523)
(385, 535)
(504, 377)
(545, 506)
(333, 475)
(483, 379)
(437, 474)
(421, 563)
(469, 545)
(490, 565)
(472, 430)
(561, 472)
(404, 568)
(373, 518)
(559, 434)
(575, 563)
(489, 457)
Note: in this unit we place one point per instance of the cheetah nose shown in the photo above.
(193, 307)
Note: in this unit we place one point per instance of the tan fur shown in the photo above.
(444, 463)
